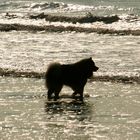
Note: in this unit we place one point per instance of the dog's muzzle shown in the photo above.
(96, 69)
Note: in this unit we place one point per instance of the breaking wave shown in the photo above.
(61, 17)
(52, 28)
(58, 7)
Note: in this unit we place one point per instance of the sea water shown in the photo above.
(111, 112)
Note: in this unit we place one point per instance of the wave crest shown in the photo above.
(51, 5)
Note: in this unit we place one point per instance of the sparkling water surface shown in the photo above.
(111, 112)
(115, 55)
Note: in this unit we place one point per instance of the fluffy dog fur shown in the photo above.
(73, 75)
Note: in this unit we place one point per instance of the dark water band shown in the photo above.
(89, 18)
(52, 28)
(102, 78)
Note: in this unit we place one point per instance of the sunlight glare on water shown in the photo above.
(115, 55)
(111, 111)
(29, 43)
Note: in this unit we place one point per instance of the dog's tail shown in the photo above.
(53, 75)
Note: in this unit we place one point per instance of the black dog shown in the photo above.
(72, 75)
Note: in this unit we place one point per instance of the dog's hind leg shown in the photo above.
(57, 91)
(50, 92)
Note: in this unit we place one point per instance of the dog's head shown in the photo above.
(91, 67)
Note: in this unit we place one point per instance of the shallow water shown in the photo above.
(115, 55)
(111, 112)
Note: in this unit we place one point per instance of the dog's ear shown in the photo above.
(90, 58)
